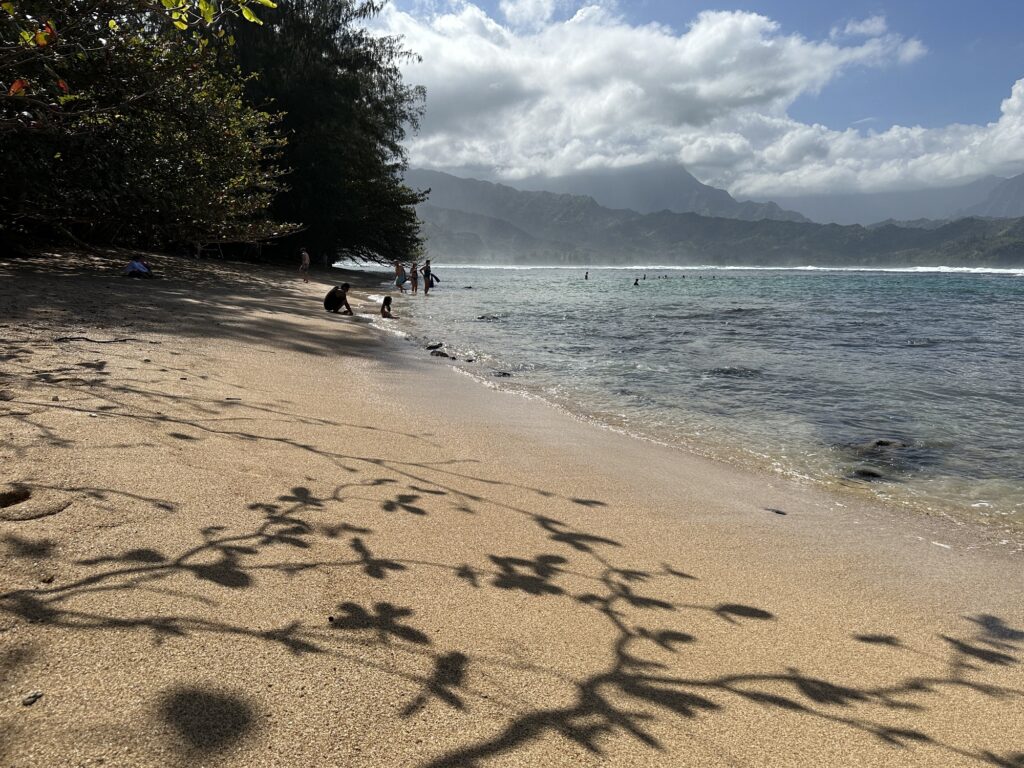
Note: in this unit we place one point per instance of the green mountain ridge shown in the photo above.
(467, 220)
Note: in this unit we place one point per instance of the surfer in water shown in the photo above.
(428, 277)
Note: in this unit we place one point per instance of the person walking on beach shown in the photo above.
(414, 278)
(304, 267)
(400, 276)
(427, 277)
(336, 300)
(385, 308)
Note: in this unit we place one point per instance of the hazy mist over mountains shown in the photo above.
(941, 203)
(653, 187)
(470, 220)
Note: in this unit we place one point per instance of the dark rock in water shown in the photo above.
(470, 359)
(502, 374)
(468, 287)
(439, 353)
(733, 372)
(864, 473)
(488, 318)
(435, 345)
(884, 442)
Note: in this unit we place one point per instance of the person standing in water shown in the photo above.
(636, 282)
(400, 276)
(414, 278)
(427, 277)
(586, 275)
(304, 267)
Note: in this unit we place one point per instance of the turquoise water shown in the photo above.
(905, 385)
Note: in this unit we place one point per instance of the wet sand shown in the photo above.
(245, 532)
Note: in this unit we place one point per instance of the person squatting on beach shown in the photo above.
(304, 267)
(400, 276)
(385, 307)
(414, 278)
(337, 300)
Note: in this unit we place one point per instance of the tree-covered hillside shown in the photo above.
(469, 220)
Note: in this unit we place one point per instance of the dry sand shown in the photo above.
(249, 533)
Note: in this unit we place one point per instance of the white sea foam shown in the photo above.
(938, 269)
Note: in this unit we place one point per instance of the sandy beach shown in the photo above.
(240, 531)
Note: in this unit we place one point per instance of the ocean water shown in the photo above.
(905, 385)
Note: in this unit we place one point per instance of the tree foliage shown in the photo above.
(143, 140)
(346, 114)
(142, 122)
(45, 45)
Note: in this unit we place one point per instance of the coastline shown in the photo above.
(508, 584)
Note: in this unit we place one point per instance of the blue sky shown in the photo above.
(510, 93)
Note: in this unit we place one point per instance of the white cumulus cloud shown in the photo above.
(549, 88)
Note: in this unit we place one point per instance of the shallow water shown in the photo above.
(906, 385)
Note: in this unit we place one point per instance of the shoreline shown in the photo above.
(992, 530)
(290, 541)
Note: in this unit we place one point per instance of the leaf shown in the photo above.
(26, 37)
(9, 7)
(18, 86)
(181, 24)
(207, 10)
(268, 3)
(41, 39)
(113, 25)
(249, 15)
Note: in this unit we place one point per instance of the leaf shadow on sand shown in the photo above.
(651, 616)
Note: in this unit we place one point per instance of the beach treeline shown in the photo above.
(185, 123)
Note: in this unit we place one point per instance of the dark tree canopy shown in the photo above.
(123, 129)
(144, 122)
(346, 113)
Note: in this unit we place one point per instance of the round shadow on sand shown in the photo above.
(206, 720)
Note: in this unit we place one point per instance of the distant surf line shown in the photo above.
(1015, 272)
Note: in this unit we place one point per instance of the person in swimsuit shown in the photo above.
(385, 308)
(304, 267)
(414, 277)
(400, 276)
(427, 277)
(336, 300)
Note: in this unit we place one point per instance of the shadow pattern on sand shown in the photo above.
(644, 683)
(640, 686)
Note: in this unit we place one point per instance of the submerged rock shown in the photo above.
(435, 345)
(866, 473)
(502, 374)
(439, 353)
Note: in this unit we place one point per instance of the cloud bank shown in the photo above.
(545, 89)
